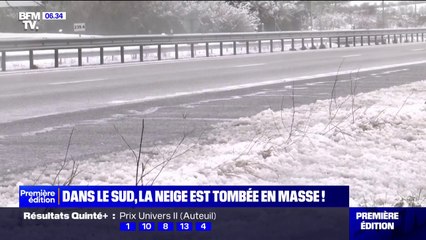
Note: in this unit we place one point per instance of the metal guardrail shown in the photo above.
(362, 37)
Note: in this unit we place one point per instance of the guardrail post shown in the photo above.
(347, 41)
(3, 61)
(192, 50)
(282, 45)
(412, 37)
(375, 40)
(322, 46)
(221, 48)
(292, 45)
(338, 41)
(56, 58)
(389, 41)
(313, 44)
(271, 45)
(400, 38)
(207, 49)
(31, 58)
(159, 52)
(354, 41)
(368, 40)
(329, 42)
(406, 38)
(260, 46)
(395, 40)
(80, 60)
(423, 39)
(101, 55)
(235, 47)
(141, 53)
(417, 38)
(247, 47)
(176, 51)
(122, 54)
(383, 40)
(362, 40)
(303, 45)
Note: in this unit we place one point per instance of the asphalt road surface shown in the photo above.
(39, 108)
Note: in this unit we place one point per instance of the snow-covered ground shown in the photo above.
(374, 142)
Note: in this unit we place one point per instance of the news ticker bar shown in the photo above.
(175, 223)
(182, 196)
(214, 209)
(214, 223)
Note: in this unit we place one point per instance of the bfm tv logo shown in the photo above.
(30, 19)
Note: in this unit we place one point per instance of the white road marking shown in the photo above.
(394, 71)
(150, 110)
(80, 81)
(314, 83)
(255, 94)
(217, 99)
(249, 65)
(191, 119)
(353, 55)
(46, 130)
(281, 95)
(418, 49)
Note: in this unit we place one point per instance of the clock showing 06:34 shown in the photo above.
(54, 15)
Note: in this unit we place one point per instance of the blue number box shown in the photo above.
(165, 226)
(203, 226)
(127, 226)
(184, 226)
(146, 226)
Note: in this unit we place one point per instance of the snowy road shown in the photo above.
(38, 109)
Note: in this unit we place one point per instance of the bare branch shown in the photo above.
(172, 156)
(139, 155)
(293, 113)
(405, 101)
(333, 90)
(124, 140)
(39, 176)
(353, 92)
(64, 163)
(73, 174)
